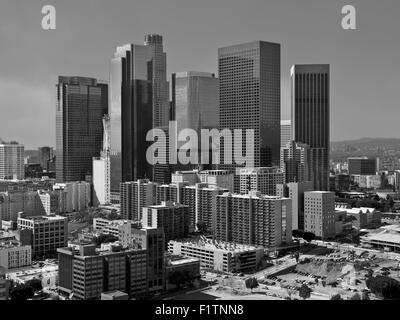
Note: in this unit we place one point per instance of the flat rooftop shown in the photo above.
(218, 245)
(44, 218)
(115, 294)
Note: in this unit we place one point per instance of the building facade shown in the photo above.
(81, 106)
(11, 161)
(286, 132)
(196, 101)
(13, 255)
(362, 166)
(311, 116)
(319, 214)
(295, 191)
(263, 180)
(44, 233)
(249, 98)
(254, 219)
(296, 162)
(219, 255)
(135, 196)
(131, 114)
(172, 217)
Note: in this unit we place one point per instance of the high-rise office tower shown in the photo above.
(196, 107)
(286, 132)
(196, 101)
(131, 114)
(11, 161)
(81, 106)
(159, 80)
(250, 96)
(45, 155)
(311, 116)
(296, 162)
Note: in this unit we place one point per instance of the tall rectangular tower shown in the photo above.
(250, 96)
(159, 80)
(311, 116)
(81, 106)
(131, 114)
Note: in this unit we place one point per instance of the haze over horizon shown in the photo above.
(365, 73)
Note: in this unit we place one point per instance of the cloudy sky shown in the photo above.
(365, 62)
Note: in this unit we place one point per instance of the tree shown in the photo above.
(104, 238)
(356, 296)
(305, 292)
(202, 227)
(290, 293)
(297, 233)
(177, 278)
(385, 287)
(21, 292)
(336, 297)
(36, 284)
(308, 236)
(297, 256)
(365, 296)
(251, 283)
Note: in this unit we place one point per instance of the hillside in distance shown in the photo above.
(369, 147)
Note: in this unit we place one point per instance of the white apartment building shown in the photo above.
(263, 180)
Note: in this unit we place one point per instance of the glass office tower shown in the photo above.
(250, 96)
(159, 80)
(81, 105)
(131, 112)
(311, 116)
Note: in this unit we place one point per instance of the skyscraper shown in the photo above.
(131, 114)
(45, 154)
(196, 100)
(311, 116)
(250, 96)
(159, 80)
(11, 161)
(81, 106)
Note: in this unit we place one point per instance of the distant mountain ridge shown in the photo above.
(371, 141)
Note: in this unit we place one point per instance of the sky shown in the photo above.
(365, 68)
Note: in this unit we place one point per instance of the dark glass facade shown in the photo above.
(311, 116)
(250, 96)
(81, 106)
(131, 114)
